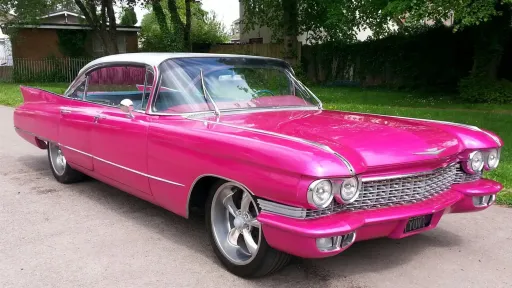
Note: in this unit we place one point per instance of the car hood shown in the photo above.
(368, 140)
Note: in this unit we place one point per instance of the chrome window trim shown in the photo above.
(283, 136)
(106, 161)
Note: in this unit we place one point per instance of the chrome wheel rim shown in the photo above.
(57, 159)
(235, 229)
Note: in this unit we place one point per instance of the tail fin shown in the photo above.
(31, 94)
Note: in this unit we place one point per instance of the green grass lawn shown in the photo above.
(496, 118)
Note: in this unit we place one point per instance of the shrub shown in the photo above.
(484, 90)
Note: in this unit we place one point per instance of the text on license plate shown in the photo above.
(418, 222)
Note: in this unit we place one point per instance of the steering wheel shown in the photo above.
(265, 91)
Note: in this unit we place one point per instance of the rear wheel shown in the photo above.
(60, 168)
(235, 234)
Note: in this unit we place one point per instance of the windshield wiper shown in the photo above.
(207, 95)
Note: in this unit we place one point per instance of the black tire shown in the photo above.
(69, 175)
(267, 260)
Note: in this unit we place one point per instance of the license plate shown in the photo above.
(418, 222)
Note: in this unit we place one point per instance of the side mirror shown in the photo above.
(127, 107)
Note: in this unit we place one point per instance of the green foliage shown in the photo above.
(407, 61)
(28, 11)
(485, 90)
(72, 42)
(128, 17)
(206, 29)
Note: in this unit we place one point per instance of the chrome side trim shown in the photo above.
(300, 140)
(30, 133)
(281, 209)
(106, 161)
(136, 172)
(78, 151)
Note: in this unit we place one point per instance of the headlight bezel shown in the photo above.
(311, 190)
(487, 154)
(339, 195)
(468, 164)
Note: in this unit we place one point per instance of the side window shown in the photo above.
(79, 91)
(148, 85)
(111, 85)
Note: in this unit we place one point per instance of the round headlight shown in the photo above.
(320, 193)
(476, 160)
(349, 190)
(493, 159)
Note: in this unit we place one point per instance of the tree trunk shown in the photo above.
(177, 23)
(160, 18)
(188, 25)
(88, 9)
(112, 26)
(290, 25)
(489, 42)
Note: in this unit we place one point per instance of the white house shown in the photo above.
(5, 46)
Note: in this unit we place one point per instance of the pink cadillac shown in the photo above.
(240, 139)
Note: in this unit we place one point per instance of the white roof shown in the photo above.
(156, 58)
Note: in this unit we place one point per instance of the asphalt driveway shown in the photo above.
(92, 235)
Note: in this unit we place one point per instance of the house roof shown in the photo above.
(62, 12)
(72, 26)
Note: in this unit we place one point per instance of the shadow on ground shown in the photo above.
(363, 257)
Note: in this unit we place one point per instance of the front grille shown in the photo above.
(405, 190)
(401, 191)
(463, 177)
(385, 192)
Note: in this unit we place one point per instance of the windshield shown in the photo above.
(231, 82)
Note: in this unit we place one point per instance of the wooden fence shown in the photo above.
(42, 70)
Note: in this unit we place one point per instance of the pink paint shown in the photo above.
(159, 158)
(292, 235)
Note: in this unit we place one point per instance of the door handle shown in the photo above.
(98, 117)
(65, 111)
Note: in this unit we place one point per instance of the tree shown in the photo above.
(182, 28)
(30, 11)
(128, 16)
(161, 31)
(106, 19)
(339, 20)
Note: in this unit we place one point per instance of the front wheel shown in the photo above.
(60, 167)
(235, 234)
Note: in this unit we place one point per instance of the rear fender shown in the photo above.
(37, 118)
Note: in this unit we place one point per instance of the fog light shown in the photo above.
(492, 198)
(481, 201)
(348, 239)
(327, 244)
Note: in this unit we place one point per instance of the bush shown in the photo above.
(484, 90)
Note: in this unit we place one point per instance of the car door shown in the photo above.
(75, 129)
(119, 139)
